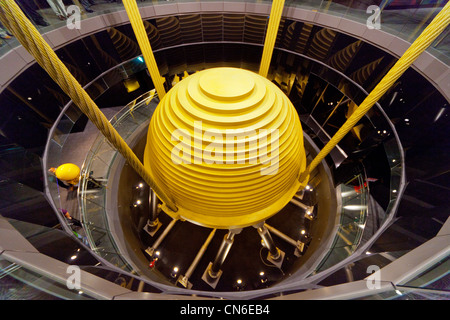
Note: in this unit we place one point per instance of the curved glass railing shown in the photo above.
(33, 285)
(362, 189)
(357, 204)
(59, 143)
(98, 162)
(22, 278)
(352, 221)
(409, 293)
(405, 21)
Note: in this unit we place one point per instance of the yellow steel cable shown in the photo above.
(16, 21)
(271, 36)
(434, 29)
(144, 44)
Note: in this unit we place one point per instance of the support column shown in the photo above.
(302, 205)
(308, 209)
(299, 246)
(151, 250)
(213, 272)
(184, 280)
(276, 256)
(153, 223)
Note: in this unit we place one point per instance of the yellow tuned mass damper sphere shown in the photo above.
(68, 172)
(227, 145)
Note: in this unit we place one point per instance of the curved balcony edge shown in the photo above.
(432, 68)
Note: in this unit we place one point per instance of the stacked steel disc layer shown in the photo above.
(227, 145)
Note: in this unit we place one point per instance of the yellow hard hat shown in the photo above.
(67, 172)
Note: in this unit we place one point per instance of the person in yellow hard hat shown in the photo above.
(68, 176)
(60, 183)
